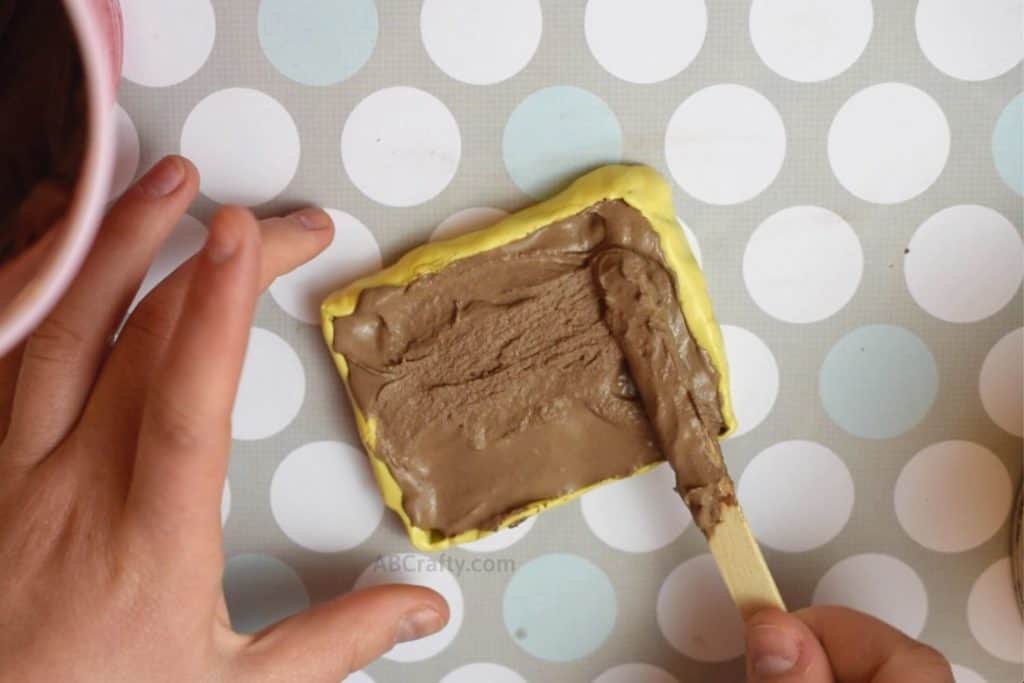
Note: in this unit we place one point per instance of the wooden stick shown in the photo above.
(742, 565)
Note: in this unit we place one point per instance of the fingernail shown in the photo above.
(313, 219)
(164, 178)
(222, 244)
(418, 624)
(773, 651)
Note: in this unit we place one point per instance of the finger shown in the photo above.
(861, 647)
(286, 244)
(329, 641)
(9, 365)
(185, 432)
(63, 355)
(835, 644)
(18, 273)
(14, 276)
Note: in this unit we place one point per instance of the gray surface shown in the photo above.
(884, 231)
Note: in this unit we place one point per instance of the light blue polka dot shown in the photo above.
(259, 590)
(318, 42)
(1008, 144)
(560, 607)
(878, 381)
(556, 134)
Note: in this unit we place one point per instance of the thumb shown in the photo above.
(329, 641)
(782, 649)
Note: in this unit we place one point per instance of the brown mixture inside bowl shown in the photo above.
(42, 120)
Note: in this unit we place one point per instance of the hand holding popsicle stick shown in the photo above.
(677, 388)
(817, 645)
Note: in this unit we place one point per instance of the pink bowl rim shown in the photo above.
(43, 292)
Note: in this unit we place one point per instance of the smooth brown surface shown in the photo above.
(495, 381)
(673, 376)
(42, 119)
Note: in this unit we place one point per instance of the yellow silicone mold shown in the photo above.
(640, 187)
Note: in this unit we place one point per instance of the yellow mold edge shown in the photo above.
(640, 187)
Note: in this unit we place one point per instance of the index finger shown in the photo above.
(862, 648)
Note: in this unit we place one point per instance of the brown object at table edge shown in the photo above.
(1017, 549)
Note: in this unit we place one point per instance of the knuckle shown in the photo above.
(149, 322)
(171, 425)
(53, 342)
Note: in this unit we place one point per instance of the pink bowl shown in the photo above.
(32, 284)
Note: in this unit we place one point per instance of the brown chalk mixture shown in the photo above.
(500, 380)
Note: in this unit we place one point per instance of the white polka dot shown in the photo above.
(467, 220)
(691, 239)
(126, 153)
(502, 539)
(798, 495)
(645, 41)
(166, 42)
(481, 41)
(358, 677)
(483, 671)
(324, 497)
(972, 41)
(888, 143)
(352, 254)
(754, 377)
(725, 144)
(260, 590)
(1000, 384)
(803, 264)
(418, 570)
(271, 390)
(810, 40)
(880, 585)
(961, 674)
(953, 496)
(246, 159)
(965, 263)
(638, 514)
(992, 613)
(696, 614)
(401, 146)
(635, 672)
(184, 241)
(225, 503)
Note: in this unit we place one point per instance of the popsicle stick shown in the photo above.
(742, 565)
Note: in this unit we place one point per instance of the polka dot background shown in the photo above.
(853, 175)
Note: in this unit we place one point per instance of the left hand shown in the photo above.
(112, 462)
